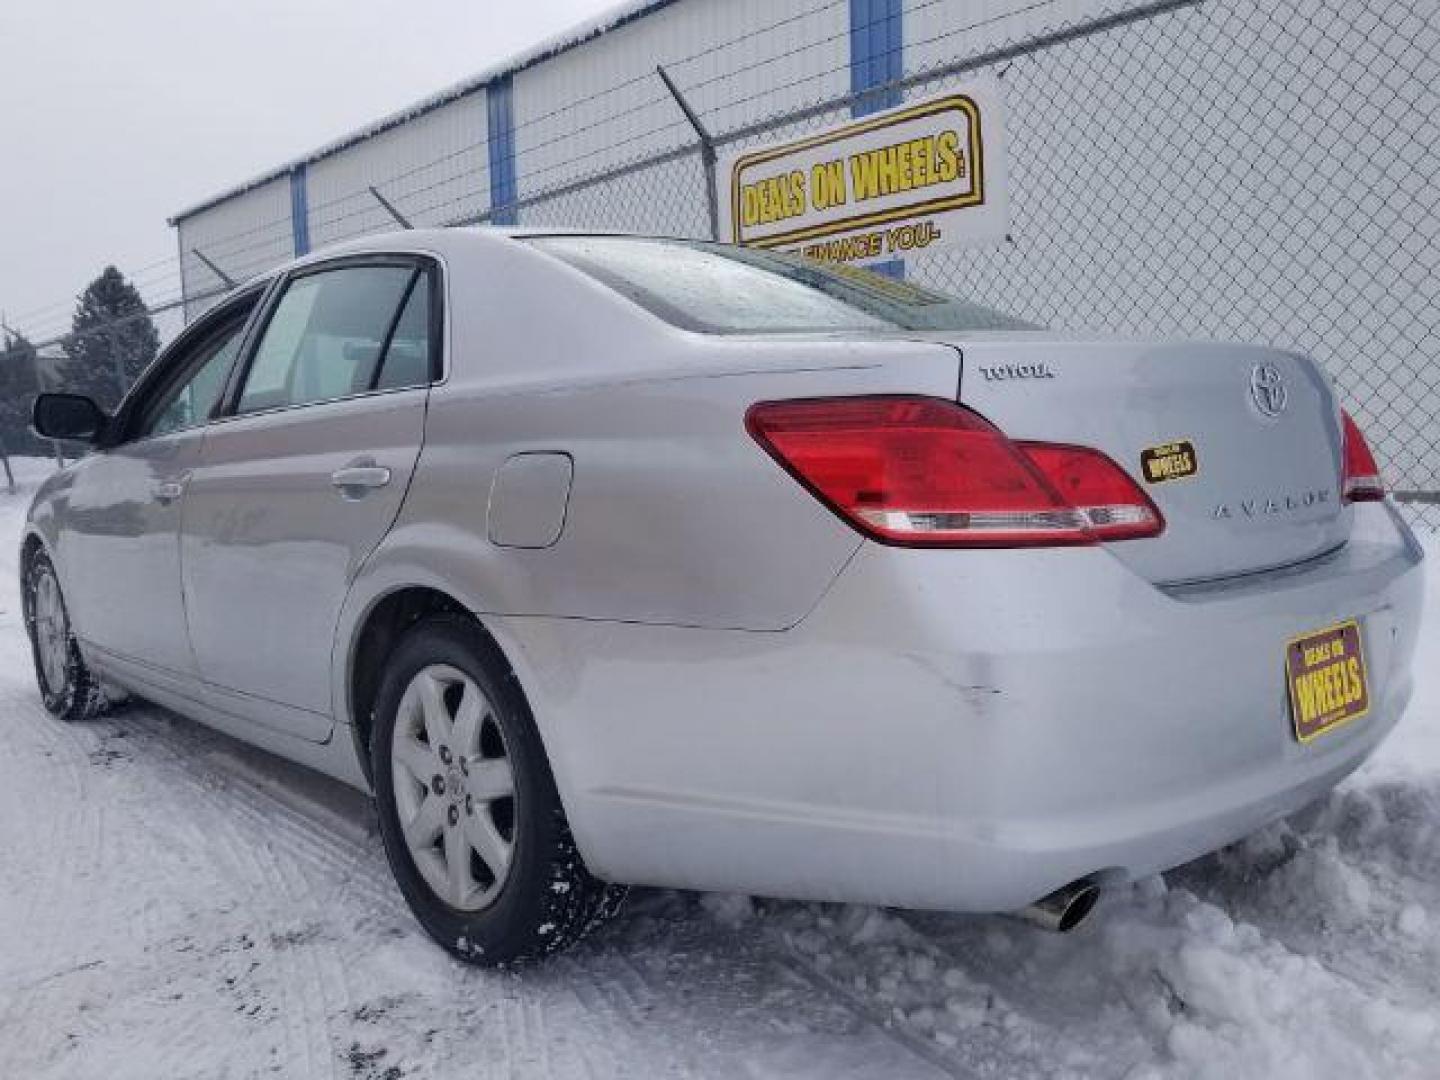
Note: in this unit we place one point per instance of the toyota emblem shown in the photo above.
(1267, 388)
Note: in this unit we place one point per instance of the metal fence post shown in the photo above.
(226, 278)
(707, 149)
(390, 209)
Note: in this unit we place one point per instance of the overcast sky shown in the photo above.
(114, 115)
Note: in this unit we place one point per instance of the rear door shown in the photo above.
(303, 476)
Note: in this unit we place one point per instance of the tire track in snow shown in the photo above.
(310, 981)
(282, 863)
(252, 878)
(598, 987)
(289, 870)
(793, 961)
(68, 850)
(326, 864)
(182, 808)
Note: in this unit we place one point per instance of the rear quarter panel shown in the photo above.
(675, 515)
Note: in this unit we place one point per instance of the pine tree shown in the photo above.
(112, 340)
(18, 384)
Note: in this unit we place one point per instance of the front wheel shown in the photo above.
(67, 686)
(469, 815)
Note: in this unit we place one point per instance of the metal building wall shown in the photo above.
(433, 168)
(244, 236)
(602, 104)
(579, 112)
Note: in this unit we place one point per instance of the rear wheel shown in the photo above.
(67, 686)
(469, 815)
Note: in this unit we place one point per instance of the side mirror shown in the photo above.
(72, 417)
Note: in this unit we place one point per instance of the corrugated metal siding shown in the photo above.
(244, 236)
(577, 113)
(433, 168)
(736, 61)
(599, 105)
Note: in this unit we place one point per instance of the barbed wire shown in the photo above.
(277, 230)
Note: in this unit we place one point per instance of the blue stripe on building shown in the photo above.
(500, 115)
(876, 45)
(877, 62)
(299, 210)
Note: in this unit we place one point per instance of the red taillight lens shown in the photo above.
(1361, 482)
(1112, 504)
(922, 471)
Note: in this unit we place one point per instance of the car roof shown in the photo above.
(436, 240)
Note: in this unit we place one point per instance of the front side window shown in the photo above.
(190, 396)
(335, 332)
(723, 289)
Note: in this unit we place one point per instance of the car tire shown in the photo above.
(69, 689)
(469, 814)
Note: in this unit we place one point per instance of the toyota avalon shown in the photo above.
(607, 560)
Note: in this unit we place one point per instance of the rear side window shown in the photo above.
(722, 289)
(407, 360)
(342, 331)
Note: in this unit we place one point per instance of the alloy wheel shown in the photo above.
(454, 787)
(52, 630)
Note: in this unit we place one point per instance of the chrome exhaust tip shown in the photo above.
(1065, 908)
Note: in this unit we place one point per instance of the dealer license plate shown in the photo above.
(1329, 686)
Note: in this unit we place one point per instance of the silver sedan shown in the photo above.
(609, 559)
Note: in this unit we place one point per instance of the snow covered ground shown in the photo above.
(173, 904)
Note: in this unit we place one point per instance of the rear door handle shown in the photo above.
(167, 491)
(358, 478)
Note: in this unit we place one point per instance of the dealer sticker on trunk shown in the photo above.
(1327, 678)
(1169, 461)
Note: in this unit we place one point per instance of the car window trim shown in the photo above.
(240, 372)
(184, 374)
(175, 359)
(372, 384)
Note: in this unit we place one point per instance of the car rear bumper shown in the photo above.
(963, 730)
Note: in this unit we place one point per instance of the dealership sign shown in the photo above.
(926, 174)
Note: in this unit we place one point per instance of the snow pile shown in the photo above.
(175, 905)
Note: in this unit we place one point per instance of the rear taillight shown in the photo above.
(1361, 482)
(913, 470)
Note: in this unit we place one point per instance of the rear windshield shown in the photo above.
(721, 289)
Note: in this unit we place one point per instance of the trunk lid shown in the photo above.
(1238, 445)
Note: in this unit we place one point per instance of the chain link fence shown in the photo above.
(1266, 172)
(1213, 168)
